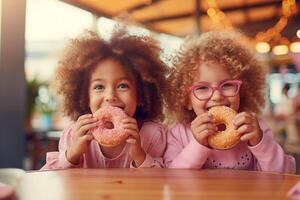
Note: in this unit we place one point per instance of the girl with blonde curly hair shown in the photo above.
(219, 69)
(125, 72)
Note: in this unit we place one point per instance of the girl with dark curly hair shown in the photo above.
(126, 72)
(218, 69)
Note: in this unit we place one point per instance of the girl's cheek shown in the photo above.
(199, 109)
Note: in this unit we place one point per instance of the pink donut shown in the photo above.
(106, 136)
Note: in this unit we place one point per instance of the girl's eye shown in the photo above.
(99, 87)
(123, 86)
(202, 88)
(227, 86)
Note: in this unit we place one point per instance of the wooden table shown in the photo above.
(165, 184)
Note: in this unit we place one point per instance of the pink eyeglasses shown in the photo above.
(204, 90)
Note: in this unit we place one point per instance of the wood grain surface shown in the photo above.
(165, 184)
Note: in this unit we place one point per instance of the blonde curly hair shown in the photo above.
(227, 49)
(140, 56)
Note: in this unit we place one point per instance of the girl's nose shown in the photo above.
(216, 95)
(110, 96)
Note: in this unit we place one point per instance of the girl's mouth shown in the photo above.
(216, 106)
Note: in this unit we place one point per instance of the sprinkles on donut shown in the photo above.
(107, 136)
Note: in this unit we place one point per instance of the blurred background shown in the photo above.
(34, 33)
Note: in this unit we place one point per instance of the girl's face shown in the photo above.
(213, 75)
(110, 84)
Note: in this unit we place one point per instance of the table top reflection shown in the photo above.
(165, 184)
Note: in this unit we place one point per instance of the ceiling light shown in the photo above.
(280, 50)
(211, 11)
(262, 47)
(298, 33)
(295, 47)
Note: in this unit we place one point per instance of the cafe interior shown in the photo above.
(34, 33)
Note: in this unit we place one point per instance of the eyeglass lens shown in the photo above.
(228, 89)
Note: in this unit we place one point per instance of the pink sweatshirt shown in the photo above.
(153, 141)
(183, 151)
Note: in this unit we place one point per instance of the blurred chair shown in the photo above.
(33, 148)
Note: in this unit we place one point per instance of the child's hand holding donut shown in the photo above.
(136, 151)
(202, 127)
(81, 137)
(247, 126)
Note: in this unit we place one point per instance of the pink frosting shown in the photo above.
(106, 136)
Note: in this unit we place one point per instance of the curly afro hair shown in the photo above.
(228, 50)
(140, 56)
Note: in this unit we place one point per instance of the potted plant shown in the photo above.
(31, 95)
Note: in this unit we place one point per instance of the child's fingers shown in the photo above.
(202, 136)
(248, 136)
(129, 120)
(243, 118)
(130, 127)
(88, 137)
(246, 128)
(131, 141)
(204, 118)
(85, 121)
(133, 133)
(86, 116)
(207, 126)
(85, 128)
(130, 124)
(250, 131)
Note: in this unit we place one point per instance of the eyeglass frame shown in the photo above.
(214, 88)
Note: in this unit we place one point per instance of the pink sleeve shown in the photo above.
(269, 154)
(154, 143)
(180, 155)
(57, 159)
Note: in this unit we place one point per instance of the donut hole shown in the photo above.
(108, 124)
(221, 127)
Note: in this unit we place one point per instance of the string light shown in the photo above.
(295, 47)
(298, 33)
(289, 8)
(217, 16)
(264, 38)
(280, 50)
(262, 47)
